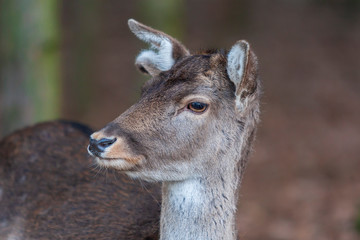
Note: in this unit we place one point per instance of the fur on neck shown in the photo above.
(200, 208)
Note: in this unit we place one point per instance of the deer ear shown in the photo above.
(242, 68)
(164, 52)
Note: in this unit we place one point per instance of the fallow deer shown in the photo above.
(192, 130)
(49, 191)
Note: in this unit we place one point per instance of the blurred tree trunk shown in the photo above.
(29, 62)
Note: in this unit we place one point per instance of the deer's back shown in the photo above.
(49, 190)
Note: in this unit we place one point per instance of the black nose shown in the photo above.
(98, 146)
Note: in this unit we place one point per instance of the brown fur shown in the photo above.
(121, 150)
(49, 190)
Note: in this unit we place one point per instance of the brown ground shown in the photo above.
(303, 179)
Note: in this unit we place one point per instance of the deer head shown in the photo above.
(197, 112)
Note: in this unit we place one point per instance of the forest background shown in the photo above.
(74, 60)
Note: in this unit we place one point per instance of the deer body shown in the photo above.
(48, 190)
(192, 130)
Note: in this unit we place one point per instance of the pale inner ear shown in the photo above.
(237, 61)
(241, 73)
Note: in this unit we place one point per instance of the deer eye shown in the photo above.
(197, 107)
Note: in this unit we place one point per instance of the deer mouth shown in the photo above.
(110, 159)
(116, 163)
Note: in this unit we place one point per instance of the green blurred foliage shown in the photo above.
(30, 62)
(166, 15)
(357, 221)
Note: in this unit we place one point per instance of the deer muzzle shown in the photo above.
(113, 151)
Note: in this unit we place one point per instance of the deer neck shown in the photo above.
(200, 208)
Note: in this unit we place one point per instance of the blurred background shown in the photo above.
(74, 60)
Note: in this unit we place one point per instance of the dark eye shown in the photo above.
(197, 107)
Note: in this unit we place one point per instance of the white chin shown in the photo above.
(119, 164)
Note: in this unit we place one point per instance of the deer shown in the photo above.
(192, 131)
(50, 190)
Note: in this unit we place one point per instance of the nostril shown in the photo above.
(92, 142)
(98, 146)
(104, 143)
